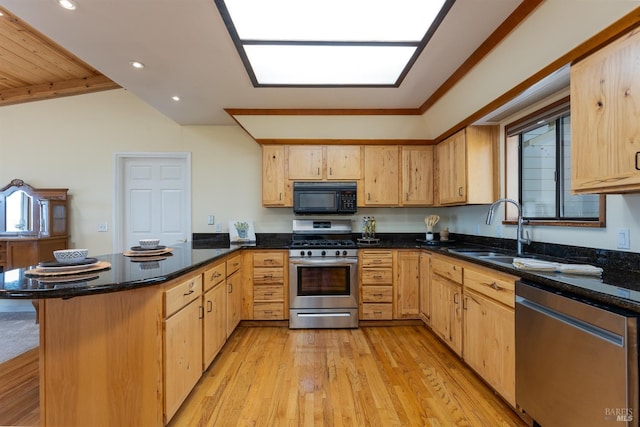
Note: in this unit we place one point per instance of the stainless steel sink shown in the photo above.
(475, 253)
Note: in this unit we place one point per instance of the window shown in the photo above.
(539, 149)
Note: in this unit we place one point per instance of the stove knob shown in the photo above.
(301, 253)
(344, 253)
(337, 253)
(323, 253)
(309, 253)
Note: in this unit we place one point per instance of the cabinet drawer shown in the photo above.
(268, 259)
(377, 311)
(214, 275)
(377, 294)
(445, 268)
(377, 258)
(266, 276)
(182, 294)
(377, 276)
(268, 311)
(233, 264)
(268, 293)
(494, 285)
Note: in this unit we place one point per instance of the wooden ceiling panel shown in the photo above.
(33, 68)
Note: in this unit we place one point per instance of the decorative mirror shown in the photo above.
(26, 211)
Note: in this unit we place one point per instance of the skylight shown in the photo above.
(331, 42)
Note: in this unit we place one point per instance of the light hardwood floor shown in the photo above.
(372, 376)
(274, 376)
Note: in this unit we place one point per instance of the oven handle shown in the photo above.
(325, 261)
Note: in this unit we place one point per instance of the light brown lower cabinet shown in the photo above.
(425, 287)
(406, 301)
(446, 301)
(214, 324)
(182, 349)
(489, 328)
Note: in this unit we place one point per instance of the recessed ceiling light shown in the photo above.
(136, 64)
(175, 98)
(67, 4)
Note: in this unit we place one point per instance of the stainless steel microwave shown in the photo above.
(324, 198)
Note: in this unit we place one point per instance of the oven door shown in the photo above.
(323, 293)
(323, 283)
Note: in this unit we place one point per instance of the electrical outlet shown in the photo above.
(210, 220)
(218, 228)
(622, 239)
(102, 228)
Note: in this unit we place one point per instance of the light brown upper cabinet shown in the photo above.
(276, 190)
(605, 93)
(417, 176)
(330, 162)
(466, 166)
(381, 167)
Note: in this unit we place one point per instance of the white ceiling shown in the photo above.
(188, 52)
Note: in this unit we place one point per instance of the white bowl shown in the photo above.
(68, 256)
(149, 243)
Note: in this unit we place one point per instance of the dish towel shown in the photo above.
(538, 265)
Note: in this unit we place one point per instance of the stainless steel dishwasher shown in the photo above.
(576, 361)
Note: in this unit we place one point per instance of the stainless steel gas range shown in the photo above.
(323, 275)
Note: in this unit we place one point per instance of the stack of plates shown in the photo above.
(55, 268)
(139, 251)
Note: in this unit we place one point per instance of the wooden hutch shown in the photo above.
(33, 224)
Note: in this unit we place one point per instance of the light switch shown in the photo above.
(622, 239)
(210, 220)
(102, 228)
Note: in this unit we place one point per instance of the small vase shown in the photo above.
(444, 234)
(242, 234)
(429, 236)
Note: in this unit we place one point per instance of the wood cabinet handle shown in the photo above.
(189, 292)
(268, 276)
(201, 312)
(377, 312)
(230, 288)
(268, 294)
(330, 171)
(279, 196)
(377, 295)
(368, 196)
(268, 312)
(456, 298)
(209, 306)
(377, 277)
(215, 275)
(637, 165)
(464, 303)
(377, 261)
(459, 191)
(406, 197)
(318, 171)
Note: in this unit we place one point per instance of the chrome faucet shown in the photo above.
(520, 239)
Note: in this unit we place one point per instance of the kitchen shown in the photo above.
(226, 159)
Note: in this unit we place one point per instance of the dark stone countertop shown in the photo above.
(618, 287)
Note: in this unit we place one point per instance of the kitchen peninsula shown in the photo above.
(107, 347)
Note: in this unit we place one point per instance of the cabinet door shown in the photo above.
(604, 119)
(182, 355)
(343, 162)
(452, 169)
(305, 162)
(417, 176)
(234, 301)
(407, 286)
(489, 342)
(274, 183)
(446, 311)
(22, 254)
(381, 176)
(425, 280)
(215, 332)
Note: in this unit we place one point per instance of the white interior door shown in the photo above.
(155, 199)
